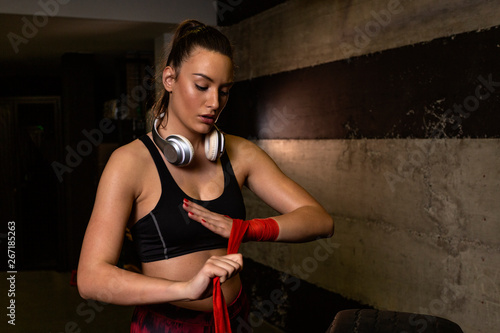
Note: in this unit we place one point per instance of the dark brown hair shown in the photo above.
(189, 35)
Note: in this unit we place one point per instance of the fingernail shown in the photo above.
(190, 213)
(202, 220)
(186, 200)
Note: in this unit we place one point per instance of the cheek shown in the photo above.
(191, 96)
(223, 101)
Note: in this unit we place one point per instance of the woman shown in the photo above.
(181, 212)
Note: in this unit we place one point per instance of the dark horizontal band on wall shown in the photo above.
(230, 12)
(446, 88)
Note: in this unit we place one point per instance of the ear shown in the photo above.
(168, 78)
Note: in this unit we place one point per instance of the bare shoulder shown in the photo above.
(240, 149)
(126, 165)
(247, 157)
(134, 151)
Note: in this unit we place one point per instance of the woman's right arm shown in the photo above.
(98, 276)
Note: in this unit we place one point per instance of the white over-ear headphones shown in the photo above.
(179, 151)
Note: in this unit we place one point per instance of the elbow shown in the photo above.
(83, 286)
(86, 283)
(83, 294)
(329, 226)
(332, 228)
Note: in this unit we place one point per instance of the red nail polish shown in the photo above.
(186, 200)
(202, 220)
(190, 213)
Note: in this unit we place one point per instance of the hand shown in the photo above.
(216, 223)
(258, 229)
(225, 267)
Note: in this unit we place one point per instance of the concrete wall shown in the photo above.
(162, 11)
(302, 33)
(426, 242)
(417, 220)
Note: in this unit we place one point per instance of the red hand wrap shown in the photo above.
(221, 316)
(257, 230)
(262, 230)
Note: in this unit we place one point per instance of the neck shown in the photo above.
(166, 127)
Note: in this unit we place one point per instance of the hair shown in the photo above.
(190, 35)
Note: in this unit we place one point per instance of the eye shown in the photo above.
(224, 93)
(200, 88)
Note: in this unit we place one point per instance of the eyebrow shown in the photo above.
(211, 80)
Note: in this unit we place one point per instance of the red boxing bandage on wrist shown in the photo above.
(262, 230)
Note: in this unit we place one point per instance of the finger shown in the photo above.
(236, 257)
(228, 262)
(195, 211)
(217, 223)
(194, 207)
(225, 267)
(216, 226)
(198, 212)
(233, 260)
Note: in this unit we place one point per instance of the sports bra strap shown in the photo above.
(157, 158)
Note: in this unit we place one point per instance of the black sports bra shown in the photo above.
(167, 231)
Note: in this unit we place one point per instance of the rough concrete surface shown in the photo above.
(417, 224)
(417, 221)
(299, 33)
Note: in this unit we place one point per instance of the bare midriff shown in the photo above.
(184, 268)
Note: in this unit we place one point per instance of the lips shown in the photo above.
(207, 119)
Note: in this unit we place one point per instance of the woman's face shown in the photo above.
(199, 90)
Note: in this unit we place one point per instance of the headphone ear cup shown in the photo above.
(178, 150)
(214, 145)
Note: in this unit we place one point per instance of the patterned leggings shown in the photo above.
(167, 318)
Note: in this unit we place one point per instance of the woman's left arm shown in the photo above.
(302, 217)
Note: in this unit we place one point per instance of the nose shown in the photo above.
(213, 101)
